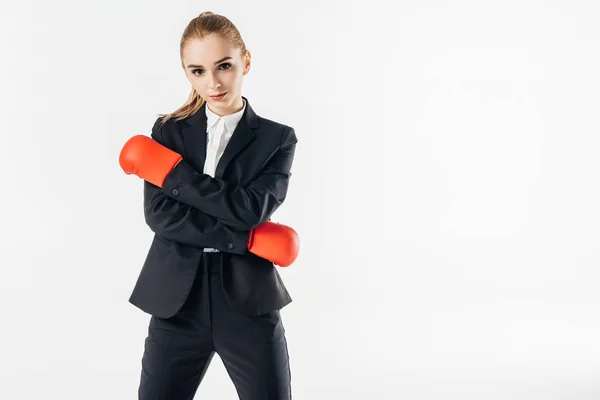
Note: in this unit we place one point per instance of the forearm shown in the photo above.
(238, 207)
(182, 223)
(242, 208)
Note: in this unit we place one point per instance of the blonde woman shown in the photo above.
(214, 172)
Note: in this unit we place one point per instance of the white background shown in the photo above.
(445, 189)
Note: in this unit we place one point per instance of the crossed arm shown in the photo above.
(209, 212)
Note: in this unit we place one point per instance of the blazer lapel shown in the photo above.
(242, 136)
(194, 139)
(194, 136)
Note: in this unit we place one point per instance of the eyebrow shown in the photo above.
(216, 62)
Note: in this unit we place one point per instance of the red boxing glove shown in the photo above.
(275, 242)
(148, 159)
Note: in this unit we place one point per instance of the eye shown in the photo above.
(224, 67)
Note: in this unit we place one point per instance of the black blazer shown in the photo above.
(193, 211)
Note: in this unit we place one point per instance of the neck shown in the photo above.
(237, 106)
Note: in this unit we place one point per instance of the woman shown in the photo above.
(214, 172)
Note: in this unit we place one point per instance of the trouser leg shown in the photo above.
(253, 349)
(178, 350)
(173, 364)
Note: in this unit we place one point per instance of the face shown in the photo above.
(214, 67)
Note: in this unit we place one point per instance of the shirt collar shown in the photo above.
(230, 120)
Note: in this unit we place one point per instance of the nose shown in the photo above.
(212, 82)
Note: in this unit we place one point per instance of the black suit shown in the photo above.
(226, 302)
(194, 211)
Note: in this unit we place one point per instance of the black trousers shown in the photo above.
(178, 350)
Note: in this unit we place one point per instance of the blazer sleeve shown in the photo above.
(243, 208)
(182, 223)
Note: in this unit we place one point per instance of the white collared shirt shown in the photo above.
(218, 133)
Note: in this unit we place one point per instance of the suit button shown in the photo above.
(175, 192)
(230, 246)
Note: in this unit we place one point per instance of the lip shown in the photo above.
(218, 95)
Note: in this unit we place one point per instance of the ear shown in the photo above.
(247, 62)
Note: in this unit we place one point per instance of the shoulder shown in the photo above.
(285, 133)
(159, 125)
(160, 129)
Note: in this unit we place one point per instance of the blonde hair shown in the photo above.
(200, 26)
